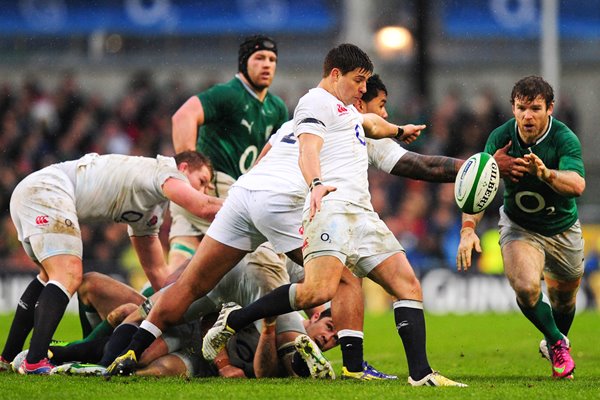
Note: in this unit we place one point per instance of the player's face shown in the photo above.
(261, 68)
(532, 117)
(200, 178)
(323, 333)
(377, 105)
(350, 87)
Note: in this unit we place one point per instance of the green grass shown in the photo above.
(496, 354)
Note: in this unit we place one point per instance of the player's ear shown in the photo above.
(315, 317)
(183, 167)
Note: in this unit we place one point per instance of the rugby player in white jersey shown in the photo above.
(48, 206)
(340, 227)
(264, 204)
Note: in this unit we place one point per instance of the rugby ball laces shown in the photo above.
(476, 183)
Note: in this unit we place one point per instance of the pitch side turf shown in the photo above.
(495, 354)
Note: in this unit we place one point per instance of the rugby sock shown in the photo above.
(144, 337)
(118, 341)
(49, 311)
(410, 323)
(351, 344)
(23, 321)
(563, 321)
(103, 329)
(85, 314)
(86, 352)
(277, 302)
(540, 315)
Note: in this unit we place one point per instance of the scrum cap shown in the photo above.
(251, 45)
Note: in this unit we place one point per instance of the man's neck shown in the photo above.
(259, 94)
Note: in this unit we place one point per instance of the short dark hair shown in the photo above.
(374, 86)
(530, 87)
(325, 313)
(346, 57)
(195, 160)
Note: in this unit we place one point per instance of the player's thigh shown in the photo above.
(106, 294)
(44, 203)
(565, 255)
(266, 268)
(397, 277)
(331, 233)
(233, 224)
(523, 264)
(279, 218)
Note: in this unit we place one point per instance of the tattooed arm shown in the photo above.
(427, 168)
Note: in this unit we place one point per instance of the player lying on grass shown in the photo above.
(243, 284)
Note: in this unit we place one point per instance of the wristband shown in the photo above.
(400, 132)
(468, 224)
(315, 182)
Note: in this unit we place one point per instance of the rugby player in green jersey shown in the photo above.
(230, 122)
(540, 233)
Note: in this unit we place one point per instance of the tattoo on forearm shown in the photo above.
(427, 168)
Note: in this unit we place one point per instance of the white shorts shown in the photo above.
(251, 217)
(184, 223)
(563, 252)
(44, 204)
(353, 234)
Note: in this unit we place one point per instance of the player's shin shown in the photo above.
(410, 323)
(277, 302)
(23, 320)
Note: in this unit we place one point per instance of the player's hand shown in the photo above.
(537, 167)
(468, 241)
(411, 133)
(316, 195)
(229, 371)
(512, 168)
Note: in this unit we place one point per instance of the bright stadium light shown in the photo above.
(393, 41)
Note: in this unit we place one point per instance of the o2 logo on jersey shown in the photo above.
(360, 139)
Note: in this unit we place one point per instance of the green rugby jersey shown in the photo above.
(237, 125)
(530, 202)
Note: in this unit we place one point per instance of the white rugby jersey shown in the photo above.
(122, 188)
(343, 156)
(279, 172)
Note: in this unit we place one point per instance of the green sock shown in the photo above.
(84, 310)
(101, 330)
(564, 321)
(541, 316)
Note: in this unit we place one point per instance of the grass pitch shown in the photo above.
(495, 354)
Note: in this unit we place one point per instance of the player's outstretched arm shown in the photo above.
(198, 203)
(427, 168)
(150, 253)
(266, 361)
(566, 183)
(377, 127)
(185, 122)
(468, 241)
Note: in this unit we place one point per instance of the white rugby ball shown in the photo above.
(476, 183)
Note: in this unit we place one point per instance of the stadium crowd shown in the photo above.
(41, 125)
